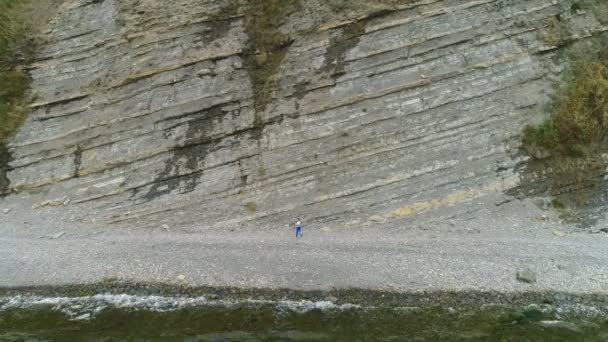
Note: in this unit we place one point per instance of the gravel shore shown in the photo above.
(387, 260)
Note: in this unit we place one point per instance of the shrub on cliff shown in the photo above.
(568, 148)
(578, 124)
(14, 49)
(13, 86)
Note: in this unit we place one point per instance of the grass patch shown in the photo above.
(13, 86)
(14, 50)
(567, 148)
(13, 81)
(20, 21)
(578, 124)
(557, 204)
(598, 7)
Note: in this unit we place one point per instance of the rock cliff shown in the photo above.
(233, 114)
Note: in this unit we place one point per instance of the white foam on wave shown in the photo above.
(582, 310)
(81, 308)
(306, 305)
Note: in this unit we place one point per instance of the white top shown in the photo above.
(298, 223)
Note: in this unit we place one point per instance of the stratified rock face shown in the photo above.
(149, 110)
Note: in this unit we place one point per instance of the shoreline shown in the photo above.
(238, 314)
(322, 262)
(352, 296)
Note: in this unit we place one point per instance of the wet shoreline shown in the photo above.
(163, 312)
(363, 297)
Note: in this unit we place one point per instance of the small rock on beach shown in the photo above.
(526, 276)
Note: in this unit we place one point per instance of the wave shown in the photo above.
(78, 308)
(86, 307)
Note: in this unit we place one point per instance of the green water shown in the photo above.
(174, 319)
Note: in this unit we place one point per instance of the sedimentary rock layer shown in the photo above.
(149, 111)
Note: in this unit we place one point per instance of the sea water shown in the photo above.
(112, 317)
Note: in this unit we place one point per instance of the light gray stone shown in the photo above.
(331, 299)
(526, 275)
(56, 236)
(560, 325)
(559, 233)
(377, 219)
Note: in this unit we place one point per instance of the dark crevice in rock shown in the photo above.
(5, 159)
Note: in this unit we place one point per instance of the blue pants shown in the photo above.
(298, 232)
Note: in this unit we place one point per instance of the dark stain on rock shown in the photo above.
(230, 9)
(77, 160)
(339, 46)
(5, 159)
(182, 171)
(215, 30)
(300, 89)
(267, 45)
(264, 54)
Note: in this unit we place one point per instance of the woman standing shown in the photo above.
(298, 228)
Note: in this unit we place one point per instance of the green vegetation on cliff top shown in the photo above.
(14, 50)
